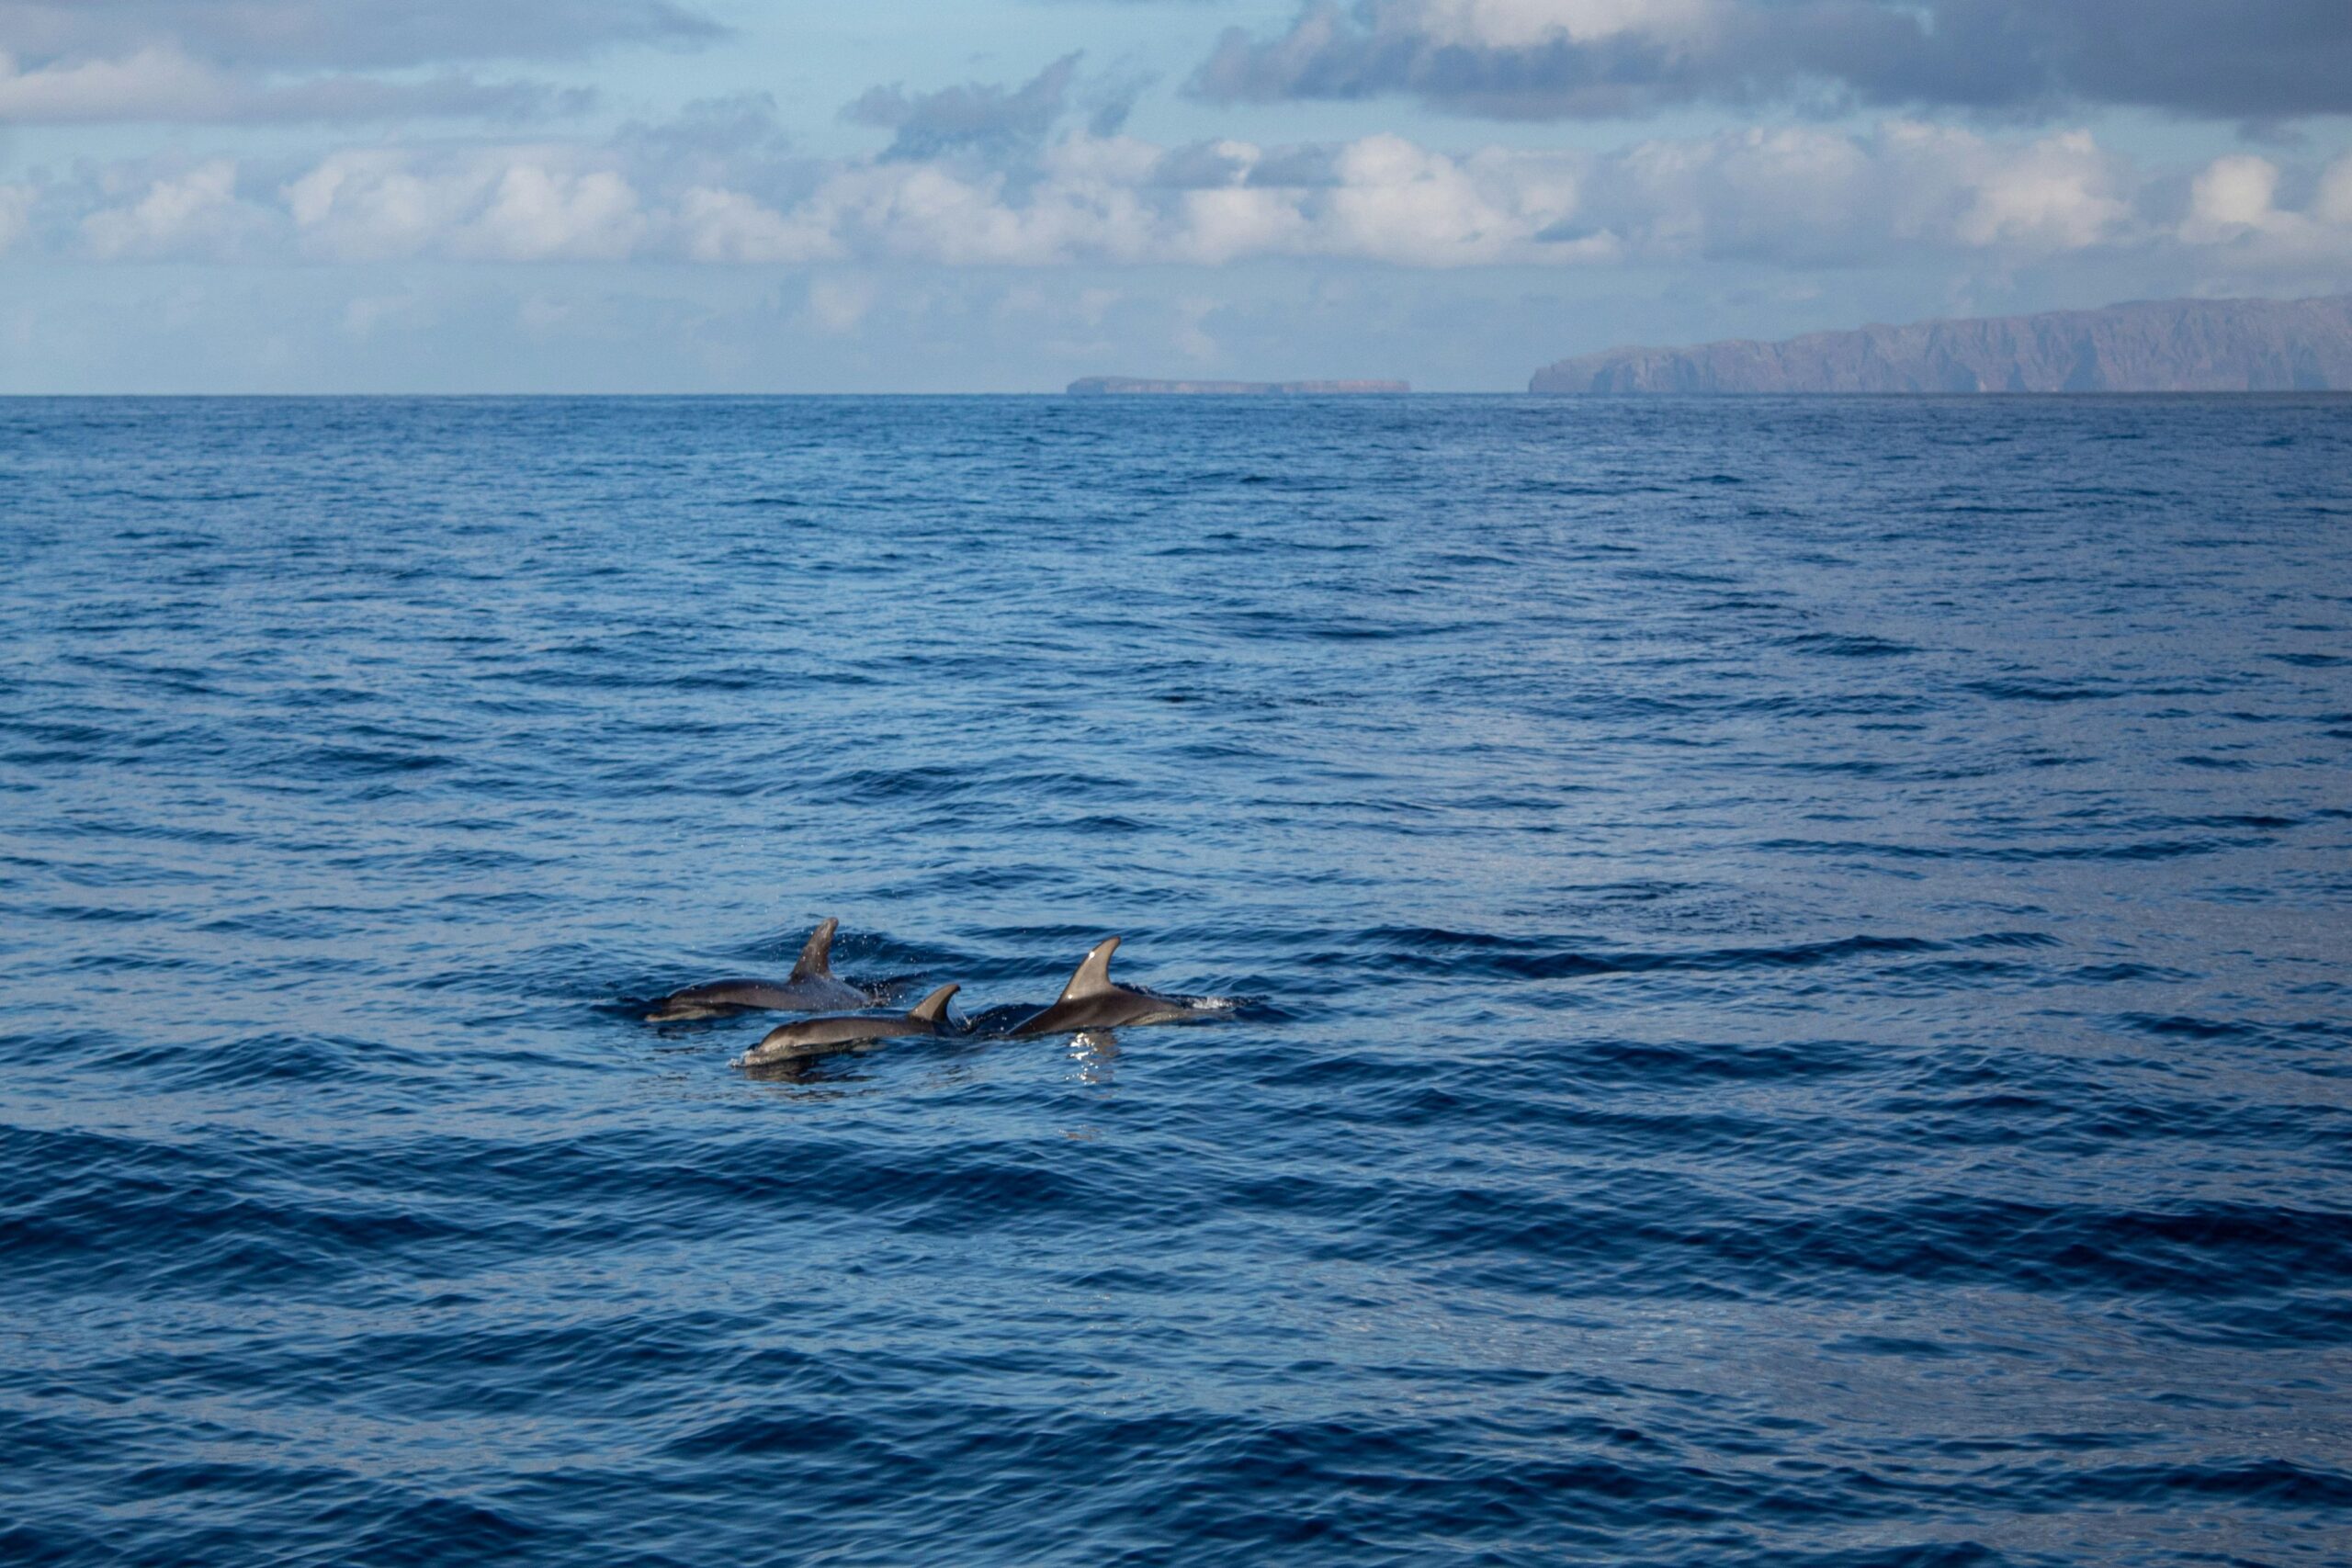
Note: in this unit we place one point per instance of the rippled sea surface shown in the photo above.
(1796, 958)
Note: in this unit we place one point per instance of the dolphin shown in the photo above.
(816, 1036)
(1092, 1001)
(812, 986)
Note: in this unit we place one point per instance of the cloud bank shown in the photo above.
(343, 34)
(157, 85)
(1786, 197)
(65, 61)
(2254, 60)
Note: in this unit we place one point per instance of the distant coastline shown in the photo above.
(1128, 386)
(2161, 345)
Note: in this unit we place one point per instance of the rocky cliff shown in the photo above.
(2164, 346)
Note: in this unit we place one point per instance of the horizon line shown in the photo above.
(1522, 394)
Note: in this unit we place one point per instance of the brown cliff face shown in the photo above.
(2166, 345)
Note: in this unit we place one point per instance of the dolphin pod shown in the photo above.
(1090, 1000)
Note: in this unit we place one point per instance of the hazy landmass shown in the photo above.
(1103, 385)
(2160, 345)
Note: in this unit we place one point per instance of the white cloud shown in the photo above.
(2058, 194)
(537, 213)
(2234, 210)
(926, 212)
(193, 212)
(1806, 196)
(2334, 202)
(2234, 192)
(1229, 222)
(1401, 203)
(1746, 193)
(370, 205)
(727, 226)
(495, 204)
(154, 83)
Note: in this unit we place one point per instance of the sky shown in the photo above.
(1000, 196)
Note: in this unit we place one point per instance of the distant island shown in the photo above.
(1120, 386)
(2163, 346)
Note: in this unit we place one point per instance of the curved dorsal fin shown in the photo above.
(817, 958)
(932, 1009)
(1094, 977)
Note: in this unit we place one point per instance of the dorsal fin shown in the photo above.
(932, 1009)
(817, 958)
(1094, 977)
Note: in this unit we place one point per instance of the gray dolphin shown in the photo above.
(816, 1036)
(1092, 1001)
(812, 986)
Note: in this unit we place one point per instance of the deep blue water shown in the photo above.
(1798, 958)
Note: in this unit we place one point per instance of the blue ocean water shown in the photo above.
(1796, 958)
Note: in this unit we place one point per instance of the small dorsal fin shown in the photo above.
(932, 1009)
(817, 958)
(1094, 977)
